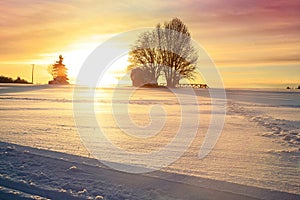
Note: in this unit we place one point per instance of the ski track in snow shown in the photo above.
(280, 129)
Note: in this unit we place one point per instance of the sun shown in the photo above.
(74, 61)
(116, 74)
(76, 54)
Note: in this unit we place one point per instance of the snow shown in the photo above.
(42, 154)
(276, 111)
(29, 173)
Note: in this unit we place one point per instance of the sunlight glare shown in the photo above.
(116, 74)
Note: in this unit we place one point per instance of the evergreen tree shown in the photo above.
(59, 72)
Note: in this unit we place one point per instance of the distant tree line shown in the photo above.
(288, 87)
(4, 79)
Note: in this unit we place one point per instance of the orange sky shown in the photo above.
(254, 43)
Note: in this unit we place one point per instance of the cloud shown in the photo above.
(234, 32)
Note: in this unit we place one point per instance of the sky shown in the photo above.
(253, 43)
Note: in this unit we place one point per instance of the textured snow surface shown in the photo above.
(29, 173)
(258, 147)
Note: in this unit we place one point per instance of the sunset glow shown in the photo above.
(253, 43)
(150, 99)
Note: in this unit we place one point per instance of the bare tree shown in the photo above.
(167, 50)
(146, 56)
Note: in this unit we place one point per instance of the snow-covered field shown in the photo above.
(257, 154)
